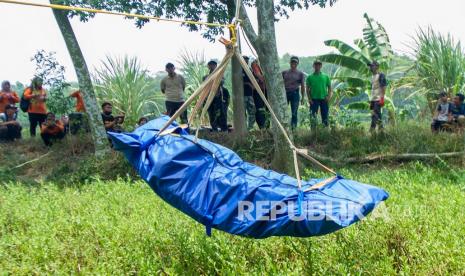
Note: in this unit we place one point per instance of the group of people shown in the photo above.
(33, 102)
(316, 88)
(449, 116)
(173, 87)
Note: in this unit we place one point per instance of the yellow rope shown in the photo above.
(141, 16)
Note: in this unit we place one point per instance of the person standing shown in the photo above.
(319, 94)
(80, 107)
(293, 81)
(218, 110)
(37, 111)
(173, 87)
(378, 90)
(260, 107)
(249, 103)
(7, 96)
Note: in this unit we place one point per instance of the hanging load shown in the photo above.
(215, 187)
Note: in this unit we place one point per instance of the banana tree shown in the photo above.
(354, 72)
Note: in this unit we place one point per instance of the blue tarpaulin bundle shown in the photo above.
(214, 186)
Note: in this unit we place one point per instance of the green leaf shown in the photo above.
(359, 106)
(347, 50)
(348, 62)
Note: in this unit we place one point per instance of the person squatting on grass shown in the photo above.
(319, 94)
(442, 114)
(293, 81)
(218, 110)
(111, 123)
(7, 96)
(457, 110)
(37, 110)
(173, 87)
(10, 129)
(52, 130)
(378, 91)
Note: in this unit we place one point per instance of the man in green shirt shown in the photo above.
(319, 93)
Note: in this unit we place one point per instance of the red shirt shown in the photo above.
(37, 104)
(7, 98)
(54, 130)
(79, 101)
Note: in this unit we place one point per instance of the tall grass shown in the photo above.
(122, 228)
(439, 66)
(129, 87)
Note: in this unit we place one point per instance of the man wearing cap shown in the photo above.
(319, 93)
(218, 110)
(10, 129)
(293, 81)
(173, 87)
(378, 90)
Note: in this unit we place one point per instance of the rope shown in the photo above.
(201, 90)
(140, 16)
(247, 41)
(275, 118)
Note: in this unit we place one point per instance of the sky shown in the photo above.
(24, 30)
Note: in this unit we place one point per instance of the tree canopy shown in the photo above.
(212, 11)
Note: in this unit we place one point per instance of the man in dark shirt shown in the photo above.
(218, 110)
(457, 111)
(293, 81)
(111, 123)
(249, 103)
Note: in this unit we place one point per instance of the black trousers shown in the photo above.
(36, 119)
(10, 133)
(218, 114)
(172, 107)
(49, 139)
(376, 115)
(260, 111)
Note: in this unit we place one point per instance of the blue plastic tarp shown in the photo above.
(214, 186)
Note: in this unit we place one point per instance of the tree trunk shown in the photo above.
(85, 82)
(386, 157)
(240, 129)
(239, 120)
(267, 51)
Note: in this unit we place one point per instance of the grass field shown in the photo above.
(122, 227)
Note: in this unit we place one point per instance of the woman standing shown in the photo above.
(37, 110)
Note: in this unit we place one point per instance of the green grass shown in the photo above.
(124, 228)
(407, 137)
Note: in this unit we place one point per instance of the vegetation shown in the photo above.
(53, 74)
(439, 65)
(123, 228)
(130, 88)
(65, 211)
(354, 75)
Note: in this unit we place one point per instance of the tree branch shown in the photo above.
(247, 26)
(385, 157)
